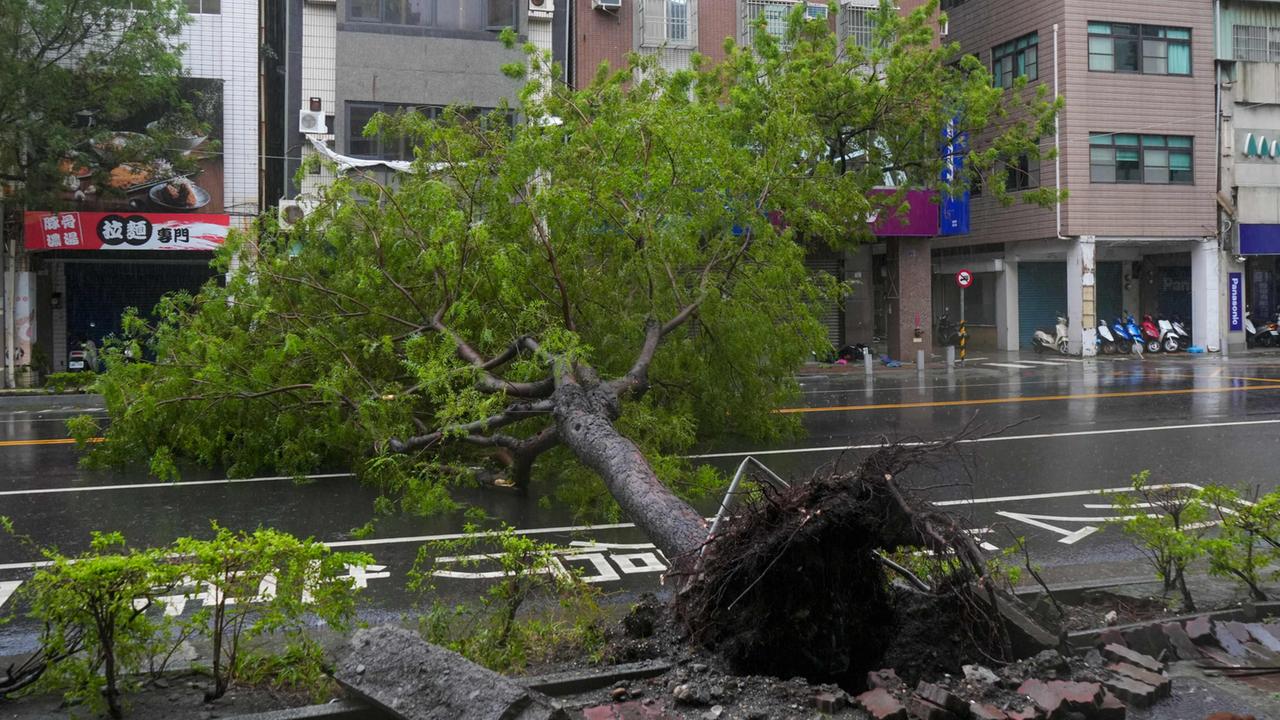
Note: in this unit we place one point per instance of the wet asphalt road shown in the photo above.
(1071, 429)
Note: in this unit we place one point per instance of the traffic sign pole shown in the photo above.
(964, 279)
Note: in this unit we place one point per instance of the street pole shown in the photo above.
(6, 371)
(964, 333)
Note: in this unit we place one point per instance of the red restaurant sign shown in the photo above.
(125, 231)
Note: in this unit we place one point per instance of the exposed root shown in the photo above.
(792, 585)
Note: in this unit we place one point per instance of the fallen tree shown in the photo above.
(593, 291)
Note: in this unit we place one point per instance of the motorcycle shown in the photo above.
(1124, 342)
(1106, 341)
(1250, 330)
(1042, 341)
(1151, 335)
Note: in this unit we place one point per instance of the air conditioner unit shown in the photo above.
(312, 122)
(606, 4)
(291, 212)
(542, 8)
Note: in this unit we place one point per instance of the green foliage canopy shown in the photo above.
(642, 236)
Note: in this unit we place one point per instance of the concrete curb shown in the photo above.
(336, 710)
(573, 682)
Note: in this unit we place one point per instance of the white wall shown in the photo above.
(225, 46)
(319, 75)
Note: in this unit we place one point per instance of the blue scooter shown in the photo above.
(1124, 341)
(1135, 332)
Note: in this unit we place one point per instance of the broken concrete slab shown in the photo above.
(1131, 691)
(942, 697)
(1111, 708)
(886, 678)
(1180, 641)
(921, 709)
(982, 711)
(1059, 697)
(1146, 639)
(1119, 653)
(881, 705)
(1264, 637)
(395, 669)
(1227, 640)
(1161, 683)
(1200, 630)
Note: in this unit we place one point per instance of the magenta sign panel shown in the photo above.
(921, 220)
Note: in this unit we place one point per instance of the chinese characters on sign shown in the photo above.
(116, 231)
(61, 230)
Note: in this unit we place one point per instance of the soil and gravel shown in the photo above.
(175, 696)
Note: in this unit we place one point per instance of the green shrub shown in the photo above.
(94, 609)
(264, 583)
(64, 381)
(1167, 524)
(1249, 536)
(500, 631)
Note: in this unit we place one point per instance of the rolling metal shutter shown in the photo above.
(1042, 296)
(832, 264)
(1110, 289)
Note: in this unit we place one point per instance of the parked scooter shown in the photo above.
(1150, 335)
(1180, 330)
(1124, 342)
(1170, 341)
(1135, 332)
(1041, 340)
(1250, 330)
(1107, 344)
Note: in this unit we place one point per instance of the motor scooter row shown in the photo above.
(1263, 334)
(1126, 335)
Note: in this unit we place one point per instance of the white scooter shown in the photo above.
(1041, 341)
(1170, 340)
(1106, 340)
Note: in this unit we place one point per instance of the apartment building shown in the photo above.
(1248, 45)
(84, 264)
(1136, 152)
(346, 60)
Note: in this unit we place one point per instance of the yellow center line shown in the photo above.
(46, 441)
(1272, 385)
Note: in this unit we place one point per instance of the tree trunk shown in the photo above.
(584, 417)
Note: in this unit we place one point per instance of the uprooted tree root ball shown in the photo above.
(793, 585)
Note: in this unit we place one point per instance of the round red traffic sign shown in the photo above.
(964, 278)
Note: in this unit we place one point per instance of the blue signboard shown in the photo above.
(1235, 300)
(954, 219)
(1259, 239)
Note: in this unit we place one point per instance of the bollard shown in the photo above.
(964, 340)
(920, 361)
(951, 355)
(866, 360)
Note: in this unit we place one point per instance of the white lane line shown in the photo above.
(7, 589)
(1044, 362)
(1011, 365)
(178, 484)
(999, 438)
(1048, 496)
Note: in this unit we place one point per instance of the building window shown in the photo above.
(466, 15)
(1015, 59)
(1147, 159)
(204, 7)
(500, 14)
(1147, 49)
(381, 147)
(1022, 173)
(668, 22)
(1255, 43)
(775, 14)
(856, 26)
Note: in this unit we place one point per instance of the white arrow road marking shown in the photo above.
(7, 589)
(1069, 537)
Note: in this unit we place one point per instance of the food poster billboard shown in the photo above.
(165, 157)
